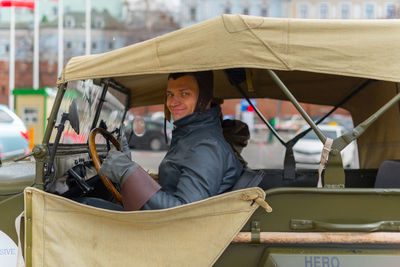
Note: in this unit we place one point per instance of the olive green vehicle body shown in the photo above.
(348, 203)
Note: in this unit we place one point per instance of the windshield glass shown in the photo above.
(87, 96)
(112, 110)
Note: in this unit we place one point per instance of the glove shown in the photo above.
(117, 167)
(125, 147)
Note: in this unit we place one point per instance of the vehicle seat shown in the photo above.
(249, 178)
(237, 135)
(388, 175)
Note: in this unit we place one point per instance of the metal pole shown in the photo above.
(292, 99)
(341, 142)
(260, 115)
(60, 63)
(11, 70)
(88, 27)
(36, 47)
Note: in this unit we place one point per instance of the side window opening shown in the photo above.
(263, 150)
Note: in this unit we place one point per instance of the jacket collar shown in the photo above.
(195, 120)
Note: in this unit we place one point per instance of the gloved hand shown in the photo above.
(117, 167)
(125, 147)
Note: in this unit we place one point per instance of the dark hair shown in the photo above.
(205, 80)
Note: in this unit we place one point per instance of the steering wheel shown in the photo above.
(97, 164)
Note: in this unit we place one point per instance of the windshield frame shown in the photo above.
(62, 88)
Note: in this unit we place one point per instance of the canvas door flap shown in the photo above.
(66, 233)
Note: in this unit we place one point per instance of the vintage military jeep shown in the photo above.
(330, 217)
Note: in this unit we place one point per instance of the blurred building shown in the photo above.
(114, 24)
(333, 9)
(48, 10)
(150, 18)
(194, 11)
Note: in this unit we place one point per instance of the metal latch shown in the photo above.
(255, 232)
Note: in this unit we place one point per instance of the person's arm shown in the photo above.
(137, 185)
(201, 173)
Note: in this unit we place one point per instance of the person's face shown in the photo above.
(182, 95)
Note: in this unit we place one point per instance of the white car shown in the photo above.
(290, 124)
(13, 134)
(307, 151)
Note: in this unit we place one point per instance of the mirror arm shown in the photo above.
(297, 105)
(53, 115)
(60, 129)
(341, 142)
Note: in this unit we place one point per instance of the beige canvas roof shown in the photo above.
(320, 61)
(353, 48)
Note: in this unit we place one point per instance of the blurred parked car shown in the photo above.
(342, 120)
(153, 137)
(13, 134)
(290, 124)
(308, 149)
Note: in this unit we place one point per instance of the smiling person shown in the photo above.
(199, 163)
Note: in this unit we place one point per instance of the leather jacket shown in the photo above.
(199, 163)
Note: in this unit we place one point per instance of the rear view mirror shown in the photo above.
(73, 116)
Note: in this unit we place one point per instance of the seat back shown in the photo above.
(249, 178)
(388, 174)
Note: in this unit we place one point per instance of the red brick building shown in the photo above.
(24, 76)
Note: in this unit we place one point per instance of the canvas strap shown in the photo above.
(259, 200)
(324, 159)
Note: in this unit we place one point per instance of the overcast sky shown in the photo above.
(172, 2)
